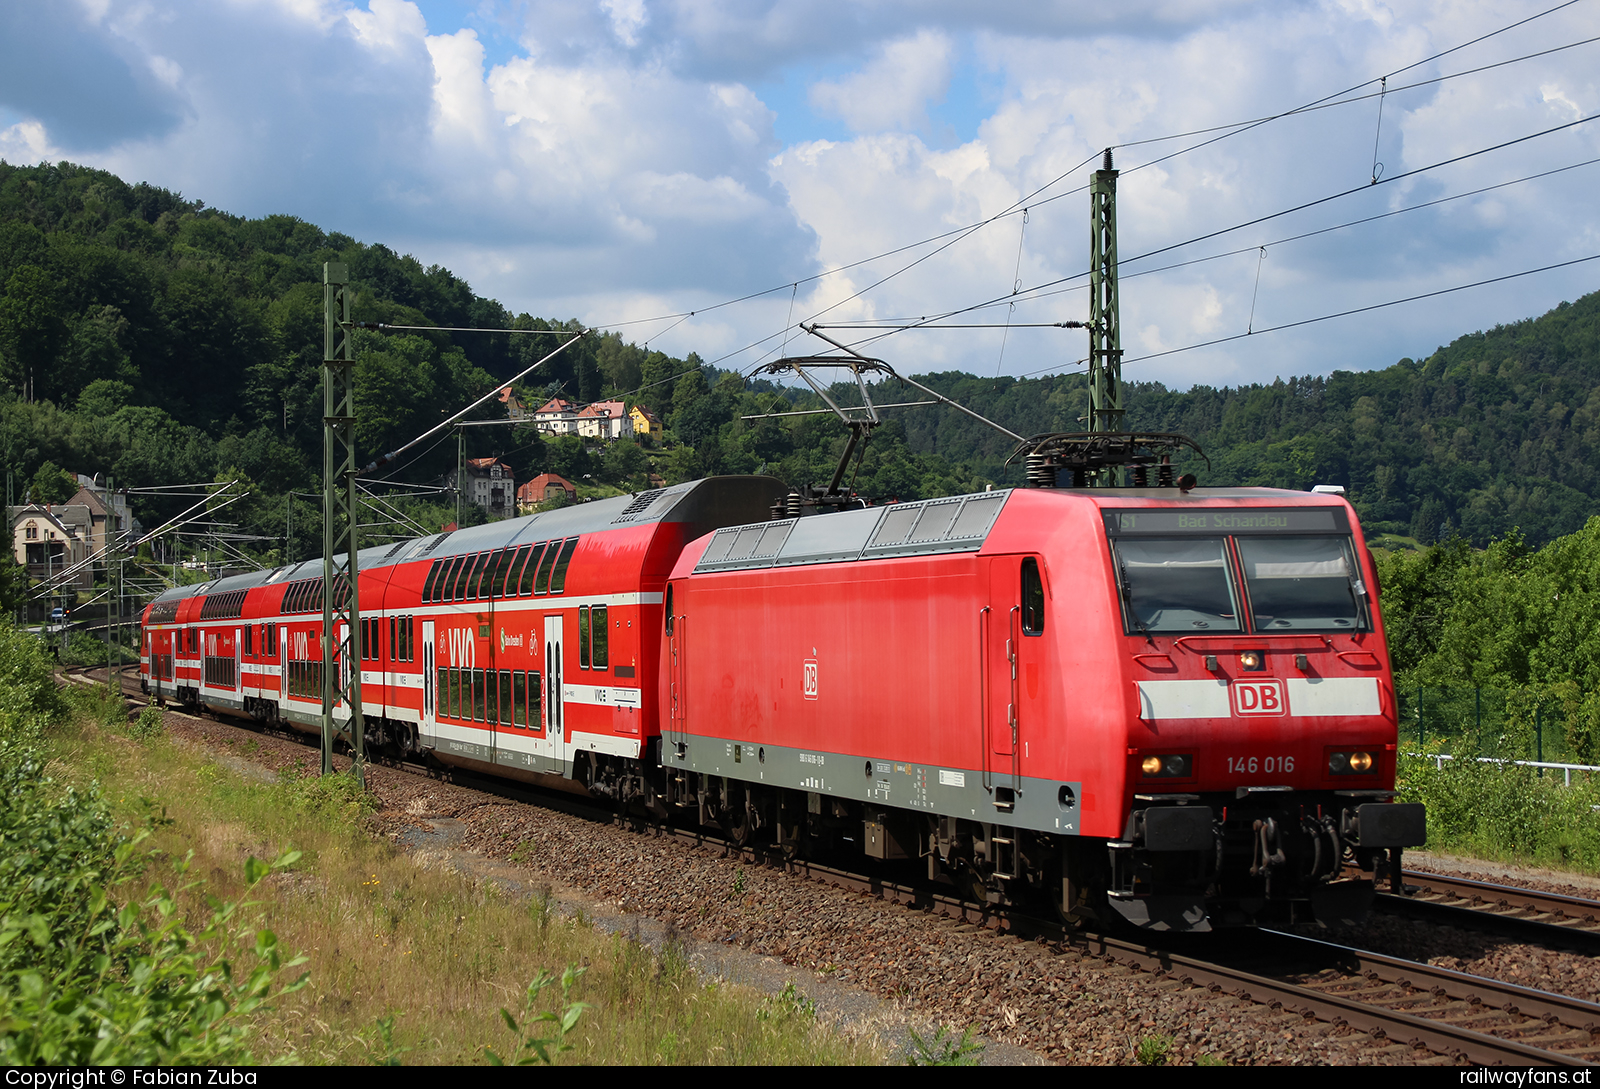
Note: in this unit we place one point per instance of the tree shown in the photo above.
(32, 329)
(51, 484)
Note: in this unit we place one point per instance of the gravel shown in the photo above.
(859, 957)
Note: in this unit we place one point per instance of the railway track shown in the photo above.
(1402, 1005)
(1541, 918)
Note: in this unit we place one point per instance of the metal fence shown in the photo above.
(1506, 724)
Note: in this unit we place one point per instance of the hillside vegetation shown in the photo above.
(145, 335)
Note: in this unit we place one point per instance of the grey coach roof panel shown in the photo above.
(956, 524)
(691, 502)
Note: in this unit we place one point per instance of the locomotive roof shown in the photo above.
(958, 523)
(701, 503)
(955, 524)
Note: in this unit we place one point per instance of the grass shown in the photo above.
(411, 964)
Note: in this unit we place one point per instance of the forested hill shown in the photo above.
(1497, 430)
(166, 341)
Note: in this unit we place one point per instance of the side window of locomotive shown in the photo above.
(1176, 584)
(1032, 598)
(1302, 583)
(668, 610)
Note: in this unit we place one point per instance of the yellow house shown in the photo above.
(645, 422)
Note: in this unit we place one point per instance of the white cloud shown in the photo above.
(386, 24)
(894, 89)
(620, 163)
(26, 142)
(628, 17)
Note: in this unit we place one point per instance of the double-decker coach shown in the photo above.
(523, 648)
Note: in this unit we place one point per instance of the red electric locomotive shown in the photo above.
(1170, 707)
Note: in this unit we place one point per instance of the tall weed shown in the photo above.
(1505, 812)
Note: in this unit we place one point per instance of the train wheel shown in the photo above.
(737, 819)
(1067, 879)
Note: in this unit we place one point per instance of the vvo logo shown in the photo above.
(808, 681)
(1258, 698)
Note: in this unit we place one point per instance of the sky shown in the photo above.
(865, 162)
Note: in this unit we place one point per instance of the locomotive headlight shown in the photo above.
(1167, 767)
(1252, 660)
(1349, 763)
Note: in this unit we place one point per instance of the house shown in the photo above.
(515, 409)
(48, 539)
(489, 483)
(606, 420)
(543, 488)
(109, 517)
(645, 422)
(557, 417)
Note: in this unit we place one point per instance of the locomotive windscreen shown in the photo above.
(1179, 570)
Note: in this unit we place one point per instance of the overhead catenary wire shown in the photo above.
(1029, 293)
(1339, 314)
(1327, 101)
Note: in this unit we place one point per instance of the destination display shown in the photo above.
(1212, 521)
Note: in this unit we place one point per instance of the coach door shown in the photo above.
(429, 727)
(554, 705)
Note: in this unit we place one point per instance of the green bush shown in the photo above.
(90, 970)
(30, 701)
(133, 985)
(1502, 811)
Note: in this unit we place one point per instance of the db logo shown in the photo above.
(808, 682)
(1258, 698)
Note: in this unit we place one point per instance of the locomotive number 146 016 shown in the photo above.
(1266, 765)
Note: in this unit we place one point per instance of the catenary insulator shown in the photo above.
(1041, 474)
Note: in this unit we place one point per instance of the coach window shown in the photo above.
(519, 697)
(583, 637)
(507, 699)
(558, 581)
(505, 583)
(476, 578)
(441, 579)
(600, 656)
(542, 584)
(431, 581)
(1032, 598)
(483, 579)
(530, 569)
(497, 579)
(458, 591)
